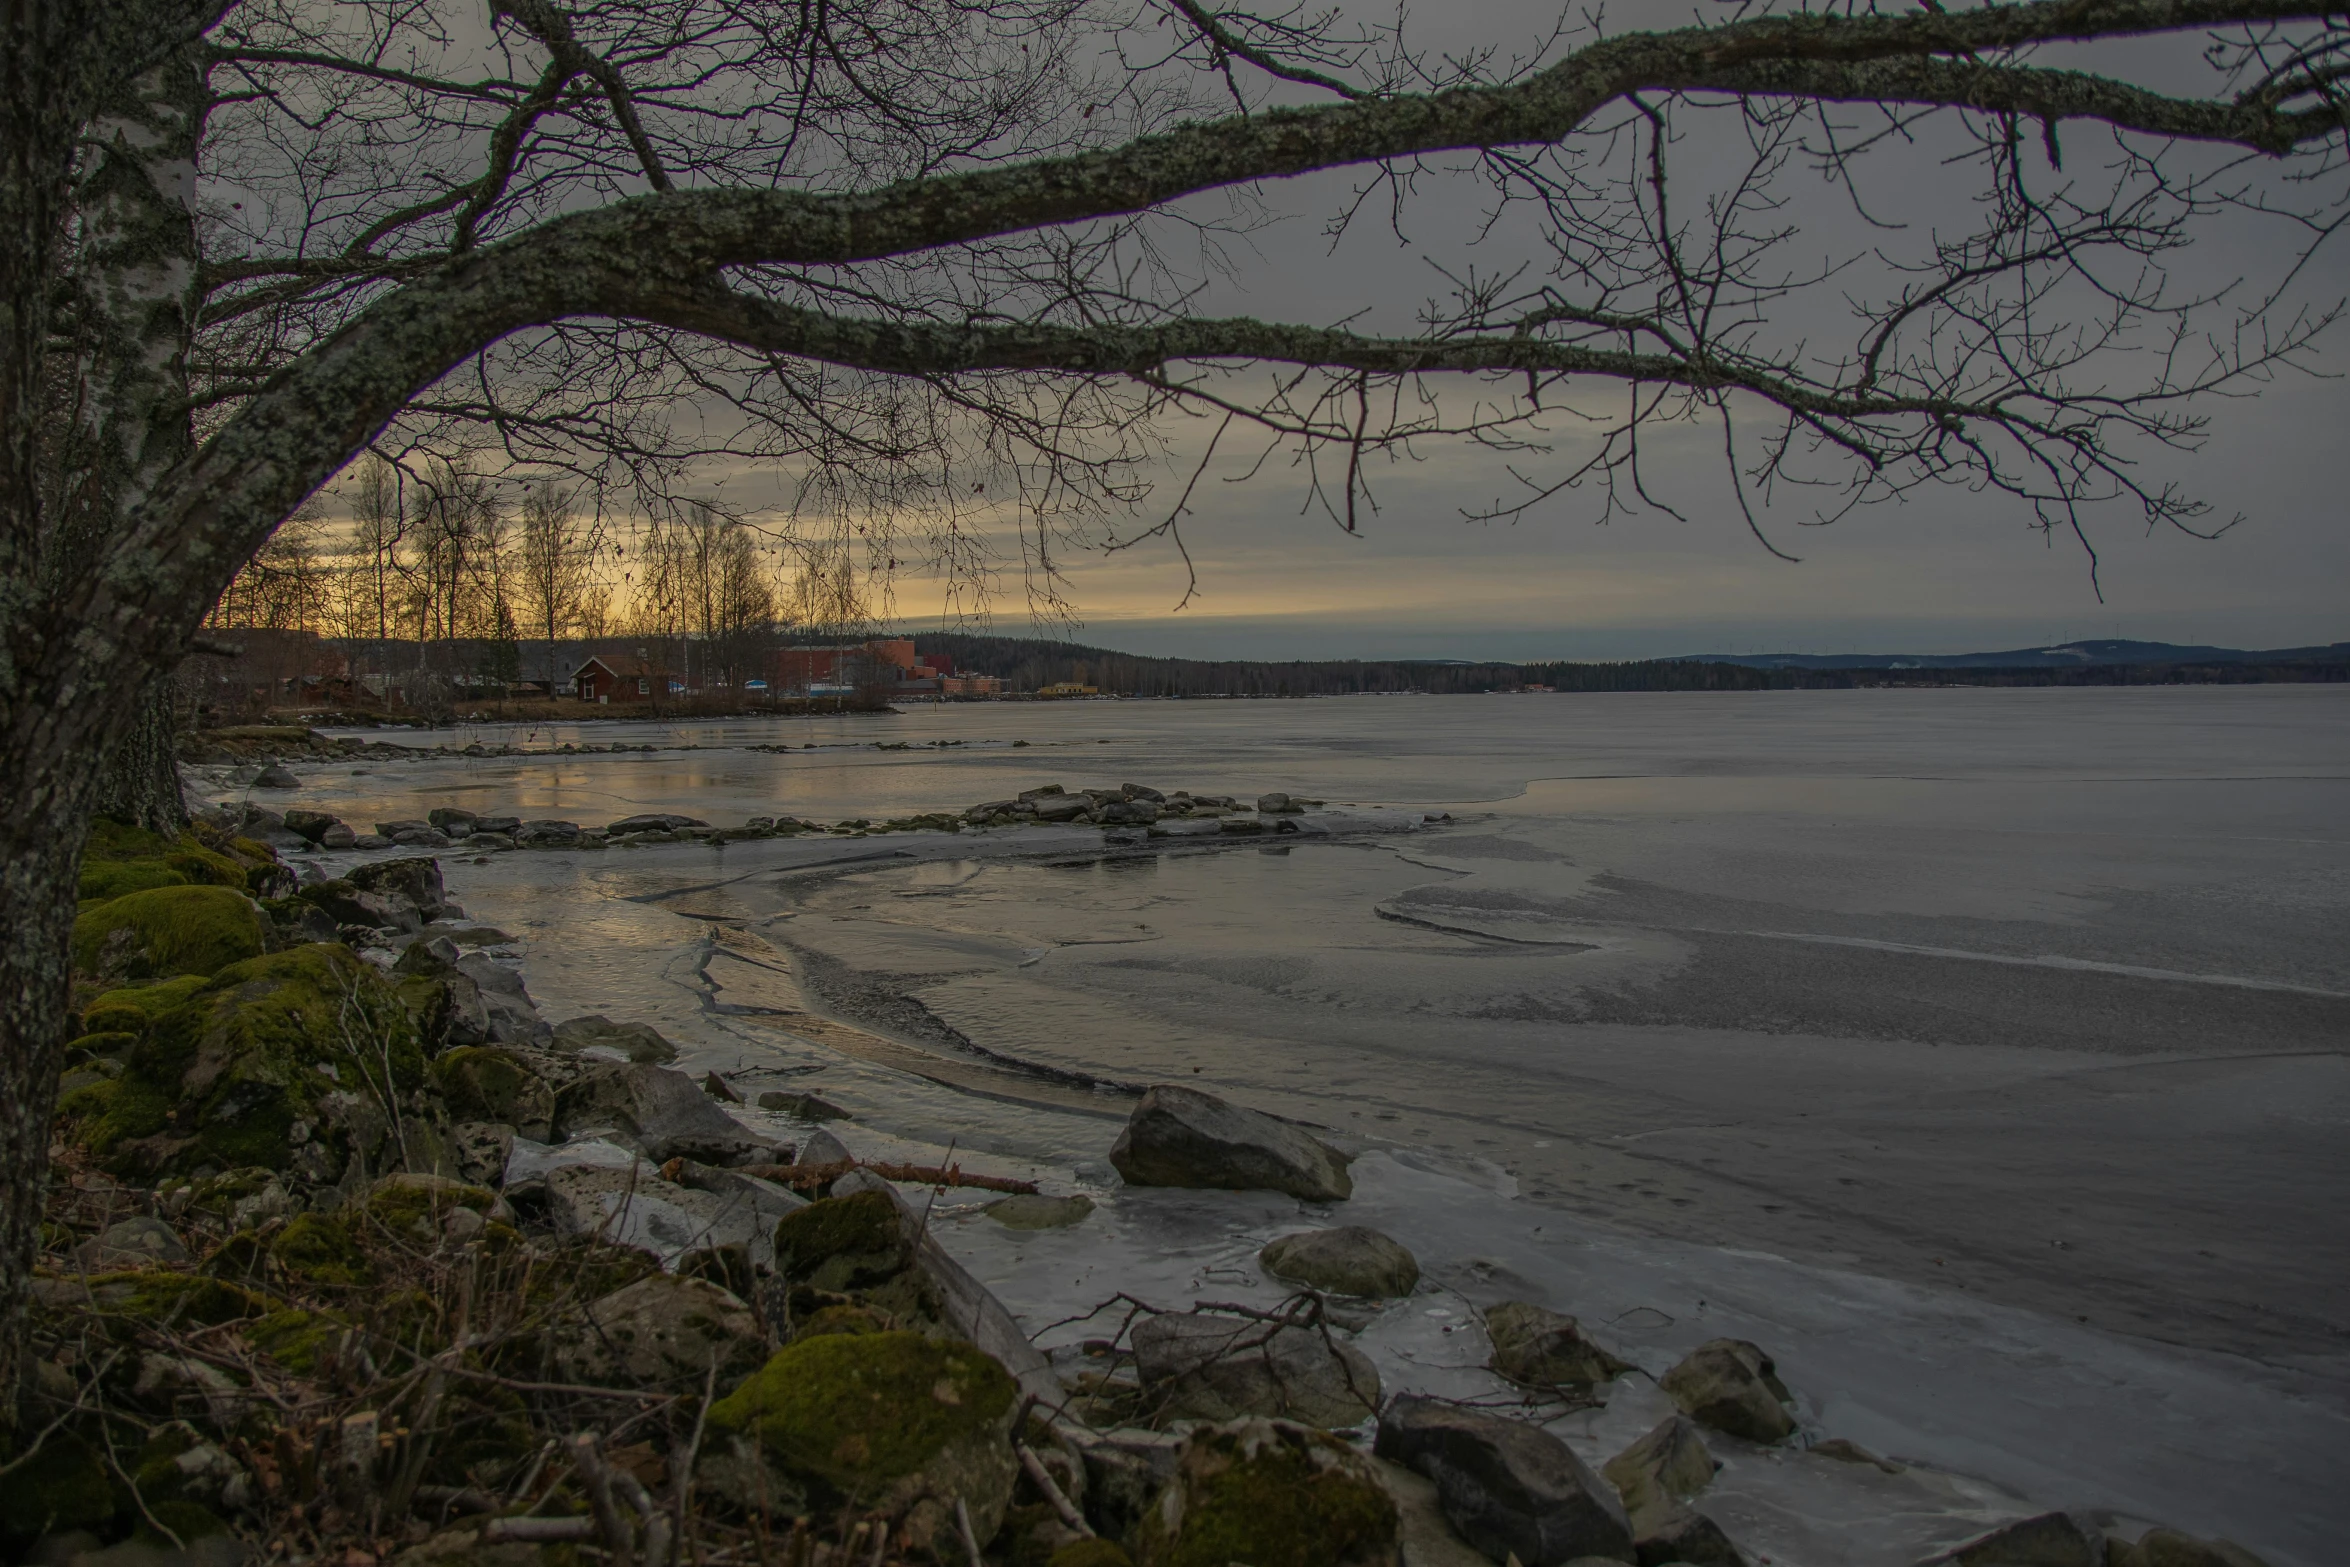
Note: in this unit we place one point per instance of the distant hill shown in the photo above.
(2069, 655)
(1031, 663)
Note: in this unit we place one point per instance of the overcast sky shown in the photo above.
(1944, 572)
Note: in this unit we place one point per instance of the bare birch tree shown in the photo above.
(918, 258)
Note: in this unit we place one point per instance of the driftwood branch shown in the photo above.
(803, 1177)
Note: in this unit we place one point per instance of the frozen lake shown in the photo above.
(1979, 1052)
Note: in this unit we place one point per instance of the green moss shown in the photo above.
(854, 1411)
(96, 1047)
(175, 930)
(413, 1206)
(203, 867)
(186, 1300)
(1261, 1494)
(297, 1340)
(834, 1319)
(485, 1083)
(118, 878)
(1091, 1553)
(62, 1486)
(229, 1070)
(113, 840)
(132, 1008)
(320, 1250)
(842, 1243)
(187, 1520)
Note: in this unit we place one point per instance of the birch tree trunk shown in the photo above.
(103, 365)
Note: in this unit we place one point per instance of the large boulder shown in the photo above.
(1271, 1494)
(664, 1112)
(1731, 1385)
(890, 1423)
(513, 1017)
(2170, 1548)
(631, 1206)
(1181, 1137)
(1663, 1468)
(1224, 1368)
(489, 1083)
(302, 1060)
(664, 1332)
(639, 1042)
(1350, 1260)
(415, 882)
(168, 930)
(1542, 1348)
(1508, 1487)
(350, 905)
(1682, 1537)
(309, 824)
(2044, 1540)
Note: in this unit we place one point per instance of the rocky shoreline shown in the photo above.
(355, 1255)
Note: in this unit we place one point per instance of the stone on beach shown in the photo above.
(665, 1332)
(2170, 1548)
(1350, 1260)
(1731, 1385)
(1666, 1466)
(1203, 1367)
(1508, 1487)
(1029, 1211)
(664, 1112)
(2045, 1540)
(633, 1207)
(1542, 1348)
(638, 1042)
(1181, 1137)
(654, 821)
(801, 1107)
(890, 1423)
(1273, 1494)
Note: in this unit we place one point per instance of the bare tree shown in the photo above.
(919, 258)
(556, 566)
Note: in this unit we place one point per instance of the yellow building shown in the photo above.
(1070, 688)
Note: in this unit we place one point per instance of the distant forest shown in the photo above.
(1031, 663)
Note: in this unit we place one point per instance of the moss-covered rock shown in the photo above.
(319, 1248)
(168, 930)
(132, 1008)
(299, 1060)
(486, 1083)
(414, 1209)
(157, 1295)
(119, 859)
(1271, 1494)
(62, 1486)
(1091, 1553)
(842, 1243)
(663, 1331)
(894, 1423)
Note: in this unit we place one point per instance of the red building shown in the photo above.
(614, 677)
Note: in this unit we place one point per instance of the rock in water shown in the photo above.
(1508, 1487)
(1731, 1385)
(415, 882)
(1181, 1137)
(889, 1423)
(664, 1332)
(1664, 1467)
(1350, 1260)
(275, 776)
(665, 1111)
(2048, 1540)
(1680, 1536)
(2170, 1548)
(1031, 1212)
(1271, 1494)
(1542, 1348)
(1225, 1368)
(639, 1042)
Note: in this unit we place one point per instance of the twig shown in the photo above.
(1052, 1492)
(619, 1538)
(538, 1529)
(970, 1538)
(813, 1175)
